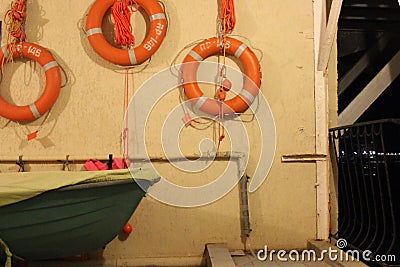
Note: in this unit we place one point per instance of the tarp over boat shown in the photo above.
(15, 187)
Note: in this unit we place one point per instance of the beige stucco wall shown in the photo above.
(87, 119)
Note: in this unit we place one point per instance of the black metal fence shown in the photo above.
(368, 161)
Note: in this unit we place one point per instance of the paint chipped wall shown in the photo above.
(86, 122)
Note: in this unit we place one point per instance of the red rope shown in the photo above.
(227, 16)
(121, 12)
(15, 20)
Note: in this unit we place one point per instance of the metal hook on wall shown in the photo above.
(110, 161)
(66, 164)
(21, 164)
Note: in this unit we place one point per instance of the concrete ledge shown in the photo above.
(121, 262)
(217, 255)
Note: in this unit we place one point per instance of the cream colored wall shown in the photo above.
(87, 119)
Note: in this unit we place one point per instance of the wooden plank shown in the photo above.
(321, 125)
(328, 36)
(217, 255)
(363, 63)
(371, 92)
(303, 157)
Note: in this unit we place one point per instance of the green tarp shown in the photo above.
(15, 187)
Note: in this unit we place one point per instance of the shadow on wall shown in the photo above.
(35, 21)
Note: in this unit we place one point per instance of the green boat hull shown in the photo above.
(68, 221)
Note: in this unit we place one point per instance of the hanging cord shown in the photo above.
(32, 135)
(221, 96)
(199, 124)
(227, 23)
(260, 57)
(8, 253)
(174, 61)
(165, 12)
(15, 19)
(121, 12)
(250, 45)
(126, 128)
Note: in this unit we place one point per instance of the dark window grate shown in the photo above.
(368, 161)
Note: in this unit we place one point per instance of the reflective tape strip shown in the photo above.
(240, 50)
(34, 110)
(94, 31)
(246, 94)
(157, 16)
(200, 102)
(132, 56)
(196, 56)
(5, 51)
(50, 65)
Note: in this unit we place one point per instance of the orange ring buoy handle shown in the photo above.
(51, 91)
(251, 85)
(126, 57)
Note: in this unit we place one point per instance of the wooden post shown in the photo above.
(328, 35)
(321, 124)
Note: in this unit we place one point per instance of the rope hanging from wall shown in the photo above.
(227, 23)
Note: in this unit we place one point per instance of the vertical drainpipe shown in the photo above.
(244, 209)
(321, 126)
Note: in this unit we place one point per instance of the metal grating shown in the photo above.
(368, 161)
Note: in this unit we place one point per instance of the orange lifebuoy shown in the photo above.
(51, 90)
(126, 57)
(251, 85)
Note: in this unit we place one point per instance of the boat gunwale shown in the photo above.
(96, 184)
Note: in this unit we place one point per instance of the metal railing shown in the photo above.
(368, 165)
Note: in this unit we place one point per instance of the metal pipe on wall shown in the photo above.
(81, 159)
(244, 209)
